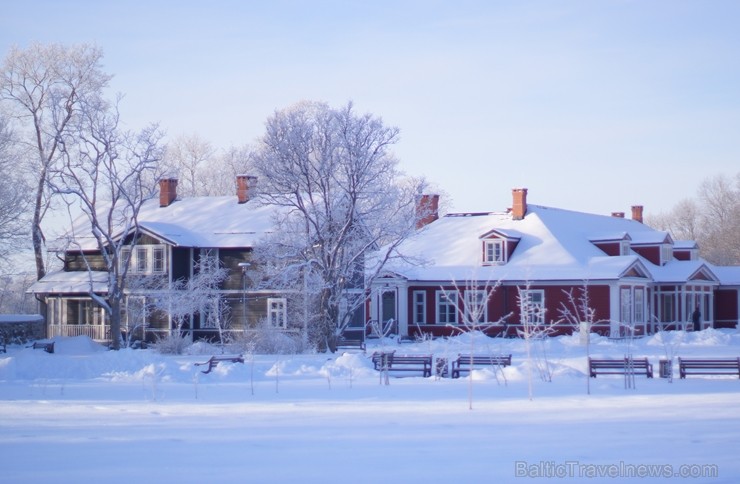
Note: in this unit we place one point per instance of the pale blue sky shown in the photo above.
(592, 105)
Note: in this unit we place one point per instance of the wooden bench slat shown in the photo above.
(48, 347)
(213, 361)
(599, 366)
(471, 362)
(708, 366)
(389, 361)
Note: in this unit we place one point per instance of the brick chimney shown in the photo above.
(427, 210)
(167, 191)
(245, 184)
(618, 214)
(637, 213)
(519, 208)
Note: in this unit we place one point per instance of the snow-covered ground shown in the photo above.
(86, 413)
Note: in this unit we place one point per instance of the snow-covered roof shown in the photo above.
(20, 318)
(727, 275)
(196, 222)
(555, 244)
(71, 283)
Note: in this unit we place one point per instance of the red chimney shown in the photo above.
(637, 213)
(244, 183)
(427, 210)
(167, 191)
(618, 214)
(519, 209)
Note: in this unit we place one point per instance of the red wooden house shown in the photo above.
(499, 270)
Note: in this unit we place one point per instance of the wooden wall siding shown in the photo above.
(726, 308)
(142, 239)
(651, 253)
(682, 254)
(180, 263)
(230, 259)
(609, 248)
(74, 261)
(504, 301)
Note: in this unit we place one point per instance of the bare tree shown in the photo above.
(103, 173)
(44, 88)
(470, 301)
(183, 299)
(712, 219)
(333, 172)
(188, 157)
(580, 315)
(13, 198)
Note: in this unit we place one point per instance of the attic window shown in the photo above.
(624, 247)
(666, 253)
(494, 252)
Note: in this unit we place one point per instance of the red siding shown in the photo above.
(609, 248)
(726, 308)
(651, 253)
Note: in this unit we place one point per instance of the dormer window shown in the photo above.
(666, 253)
(494, 252)
(624, 247)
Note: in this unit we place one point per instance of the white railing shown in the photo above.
(95, 332)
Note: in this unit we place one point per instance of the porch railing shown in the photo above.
(95, 332)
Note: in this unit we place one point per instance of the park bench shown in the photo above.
(48, 347)
(215, 360)
(637, 366)
(708, 366)
(350, 344)
(390, 361)
(471, 362)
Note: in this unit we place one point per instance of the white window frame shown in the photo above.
(639, 305)
(419, 307)
(142, 257)
(476, 299)
(666, 254)
(533, 298)
(446, 304)
(277, 312)
(494, 252)
(624, 247)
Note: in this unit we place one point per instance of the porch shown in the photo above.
(96, 332)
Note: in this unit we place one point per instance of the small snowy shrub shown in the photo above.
(173, 343)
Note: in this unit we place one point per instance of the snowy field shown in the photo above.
(85, 413)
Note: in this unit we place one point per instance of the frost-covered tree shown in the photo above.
(579, 314)
(103, 175)
(334, 173)
(201, 169)
(13, 197)
(183, 299)
(44, 88)
(712, 219)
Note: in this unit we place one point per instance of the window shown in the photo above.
(144, 259)
(624, 247)
(420, 307)
(625, 298)
(277, 312)
(476, 307)
(666, 253)
(447, 307)
(639, 305)
(158, 265)
(494, 252)
(533, 306)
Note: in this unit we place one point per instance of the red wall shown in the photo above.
(725, 312)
